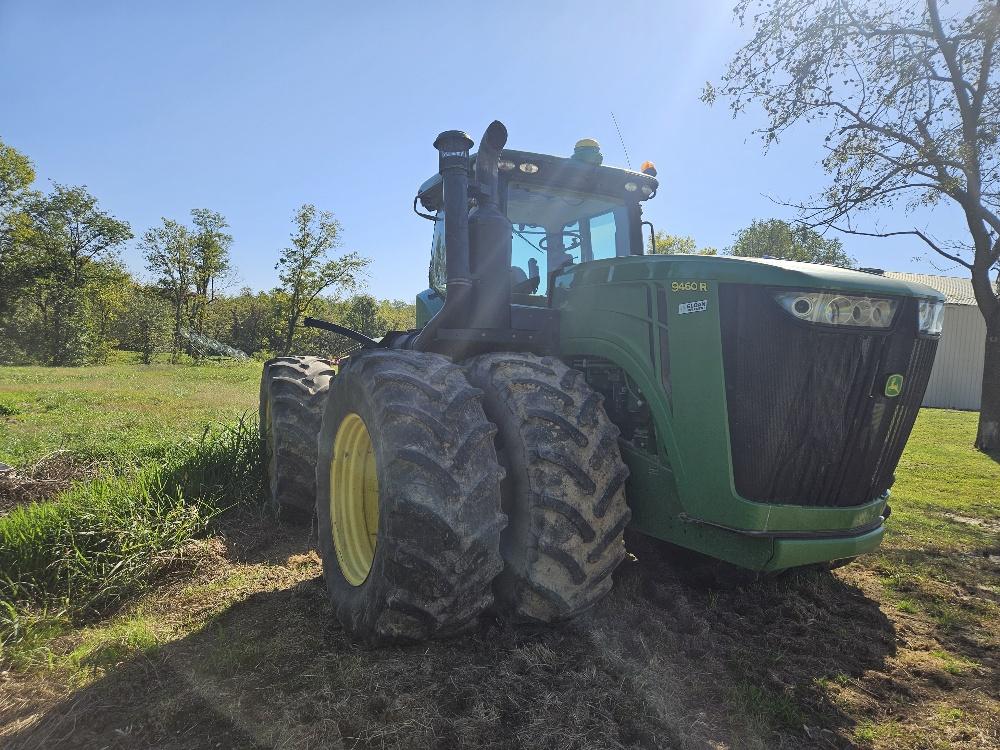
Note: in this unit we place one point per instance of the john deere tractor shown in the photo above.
(562, 385)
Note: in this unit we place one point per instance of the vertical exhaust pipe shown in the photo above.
(478, 243)
(453, 166)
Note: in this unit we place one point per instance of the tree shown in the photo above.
(912, 108)
(779, 239)
(248, 321)
(145, 325)
(107, 304)
(169, 253)
(210, 261)
(362, 313)
(306, 270)
(74, 252)
(16, 176)
(674, 244)
(398, 315)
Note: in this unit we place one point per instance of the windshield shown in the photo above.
(554, 227)
(551, 228)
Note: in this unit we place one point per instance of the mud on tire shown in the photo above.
(437, 544)
(292, 396)
(564, 492)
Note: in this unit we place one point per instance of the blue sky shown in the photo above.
(253, 108)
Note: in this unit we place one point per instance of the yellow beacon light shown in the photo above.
(588, 150)
(648, 168)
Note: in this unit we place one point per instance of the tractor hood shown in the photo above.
(727, 269)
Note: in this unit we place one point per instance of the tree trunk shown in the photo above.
(293, 318)
(177, 330)
(988, 436)
(289, 335)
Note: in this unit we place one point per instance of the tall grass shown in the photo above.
(105, 540)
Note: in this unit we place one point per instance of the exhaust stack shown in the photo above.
(453, 166)
(478, 245)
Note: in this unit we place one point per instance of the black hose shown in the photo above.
(350, 333)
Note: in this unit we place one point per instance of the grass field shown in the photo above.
(122, 412)
(231, 642)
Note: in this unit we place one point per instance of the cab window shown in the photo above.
(604, 239)
(438, 272)
(527, 259)
(560, 227)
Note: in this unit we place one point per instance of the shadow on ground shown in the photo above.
(678, 656)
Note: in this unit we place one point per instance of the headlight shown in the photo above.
(839, 309)
(931, 316)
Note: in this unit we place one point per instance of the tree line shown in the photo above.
(66, 297)
(764, 238)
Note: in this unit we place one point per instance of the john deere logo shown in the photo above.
(894, 386)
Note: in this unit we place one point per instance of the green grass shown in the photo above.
(104, 647)
(122, 413)
(946, 494)
(871, 732)
(105, 540)
(944, 527)
(765, 708)
(172, 461)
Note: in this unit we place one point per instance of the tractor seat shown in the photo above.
(520, 283)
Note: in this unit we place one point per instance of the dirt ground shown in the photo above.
(683, 654)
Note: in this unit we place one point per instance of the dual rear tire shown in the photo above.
(293, 394)
(423, 480)
(443, 492)
(564, 490)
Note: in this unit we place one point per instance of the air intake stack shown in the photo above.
(490, 237)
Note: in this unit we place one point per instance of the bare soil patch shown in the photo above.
(683, 654)
(46, 478)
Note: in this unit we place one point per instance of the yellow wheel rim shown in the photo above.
(354, 499)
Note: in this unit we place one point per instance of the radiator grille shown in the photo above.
(809, 423)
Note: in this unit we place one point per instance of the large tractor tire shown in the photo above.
(564, 492)
(408, 498)
(292, 396)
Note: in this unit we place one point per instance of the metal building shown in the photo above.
(957, 378)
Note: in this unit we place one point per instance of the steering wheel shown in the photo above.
(574, 237)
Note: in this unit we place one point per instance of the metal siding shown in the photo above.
(957, 378)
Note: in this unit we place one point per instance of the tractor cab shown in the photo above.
(563, 211)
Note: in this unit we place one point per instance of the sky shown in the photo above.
(253, 108)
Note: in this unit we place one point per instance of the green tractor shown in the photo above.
(562, 386)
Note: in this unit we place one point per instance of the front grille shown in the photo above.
(808, 420)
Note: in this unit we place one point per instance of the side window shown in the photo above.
(438, 273)
(603, 236)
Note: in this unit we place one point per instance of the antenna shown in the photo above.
(615, 121)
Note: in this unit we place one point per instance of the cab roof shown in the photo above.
(566, 172)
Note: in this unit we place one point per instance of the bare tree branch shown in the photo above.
(915, 232)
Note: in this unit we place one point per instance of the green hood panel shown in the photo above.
(740, 271)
